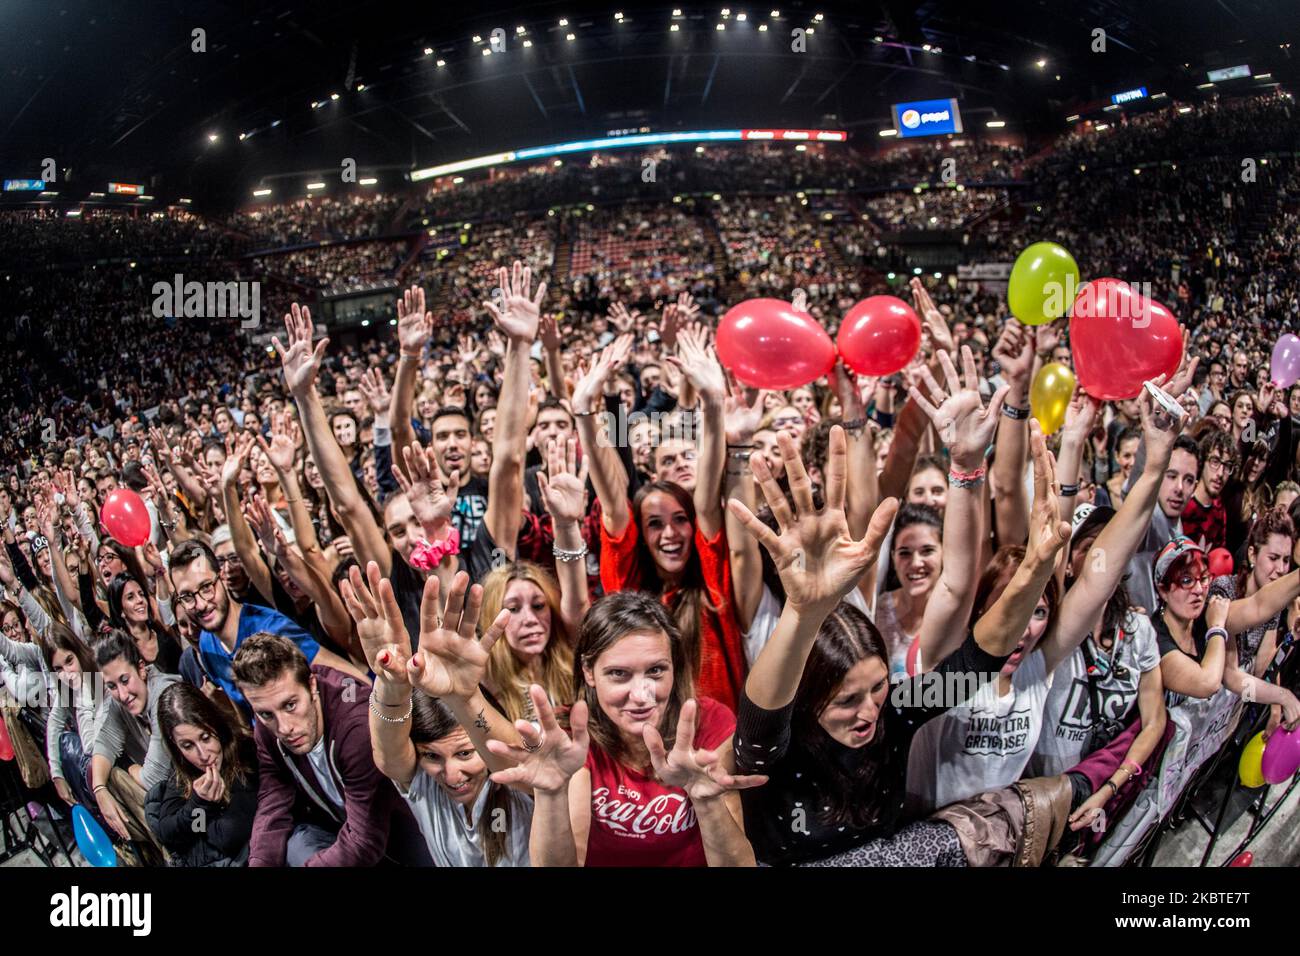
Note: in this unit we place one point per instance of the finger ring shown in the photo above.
(537, 746)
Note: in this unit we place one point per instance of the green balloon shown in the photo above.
(1043, 285)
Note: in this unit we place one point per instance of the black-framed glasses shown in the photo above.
(207, 591)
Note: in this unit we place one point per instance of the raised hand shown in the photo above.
(549, 757)
(964, 424)
(1047, 532)
(374, 390)
(238, 447)
(283, 446)
(258, 514)
(1080, 416)
(425, 488)
(414, 324)
(1046, 338)
(380, 629)
(564, 490)
(467, 350)
(301, 363)
(934, 321)
(450, 662)
(549, 330)
(519, 310)
(621, 318)
(1015, 353)
(496, 344)
(591, 385)
(818, 560)
(673, 318)
(698, 362)
(687, 310)
(741, 417)
(799, 301)
(699, 772)
(1159, 429)
(1182, 378)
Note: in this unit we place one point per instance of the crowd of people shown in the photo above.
(528, 578)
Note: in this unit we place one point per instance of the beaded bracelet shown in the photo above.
(393, 720)
(856, 425)
(1014, 413)
(566, 556)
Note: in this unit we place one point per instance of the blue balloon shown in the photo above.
(92, 841)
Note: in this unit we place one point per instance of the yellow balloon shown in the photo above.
(1049, 396)
(1250, 768)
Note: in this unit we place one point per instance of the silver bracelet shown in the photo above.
(562, 555)
(392, 720)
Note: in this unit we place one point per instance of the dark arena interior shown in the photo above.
(850, 435)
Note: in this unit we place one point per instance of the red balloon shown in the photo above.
(767, 344)
(6, 745)
(125, 517)
(1119, 339)
(879, 335)
(1245, 858)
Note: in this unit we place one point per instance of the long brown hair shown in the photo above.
(1271, 522)
(183, 703)
(692, 597)
(611, 619)
(431, 721)
(60, 637)
(504, 671)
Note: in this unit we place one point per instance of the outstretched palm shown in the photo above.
(549, 757)
(699, 772)
(450, 661)
(414, 324)
(301, 363)
(564, 492)
(964, 424)
(817, 558)
(425, 488)
(1047, 532)
(517, 312)
(382, 633)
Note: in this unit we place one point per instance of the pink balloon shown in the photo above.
(767, 344)
(126, 518)
(879, 335)
(1120, 339)
(1281, 755)
(1285, 370)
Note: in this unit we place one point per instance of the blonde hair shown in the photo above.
(505, 672)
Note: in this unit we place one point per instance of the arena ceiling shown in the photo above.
(116, 91)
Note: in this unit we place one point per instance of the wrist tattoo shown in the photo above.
(481, 721)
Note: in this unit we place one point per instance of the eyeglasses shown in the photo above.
(207, 591)
(1214, 461)
(1188, 583)
(12, 628)
(228, 559)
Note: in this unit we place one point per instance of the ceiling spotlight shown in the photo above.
(762, 28)
(519, 30)
(487, 52)
(1073, 118)
(315, 185)
(775, 14)
(477, 38)
(677, 11)
(721, 26)
(368, 181)
(926, 47)
(996, 124)
(261, 192)
(877, 39)
(428, 51)
(618, 17)
(818, 18)
(442, 63)
(811, 31)
(740, 17)
(243, 136)
(726, 11)
(889, 132)
(938, 49)
(213, 137)
(564, 23)
(568, 36)
(674, 28)
(1184, 109)
(334, 96)
(528, 43)
(361, 87)
(1040, 64)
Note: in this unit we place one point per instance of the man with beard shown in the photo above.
(321, 800)
(226, 623)
(1205, 519)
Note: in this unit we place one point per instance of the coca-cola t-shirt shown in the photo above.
(638, 821)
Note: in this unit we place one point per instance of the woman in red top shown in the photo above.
(671, 542)
(612, 795)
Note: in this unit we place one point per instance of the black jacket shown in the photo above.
(198, 833)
